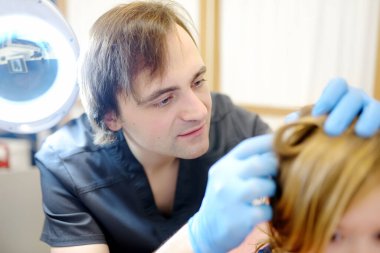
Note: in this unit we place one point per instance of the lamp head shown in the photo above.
(38, 54)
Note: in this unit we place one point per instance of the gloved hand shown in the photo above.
(227, 214)
(344, 103)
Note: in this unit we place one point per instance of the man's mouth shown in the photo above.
(193, 132)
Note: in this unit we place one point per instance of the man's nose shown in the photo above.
(193, 107)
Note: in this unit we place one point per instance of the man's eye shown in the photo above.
(163, 102)
(199, 83)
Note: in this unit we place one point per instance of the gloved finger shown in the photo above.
(369, 120)
(344, 112)
(253, 216)
(261, 214)
(259, 166)
(331, 95)
(293, 116)
(257, 188)
(252, 146)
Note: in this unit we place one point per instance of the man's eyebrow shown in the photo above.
(158, 93)
(200, 72)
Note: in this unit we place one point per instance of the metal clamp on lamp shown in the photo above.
(38, 54)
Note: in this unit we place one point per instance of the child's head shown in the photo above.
(328, 196)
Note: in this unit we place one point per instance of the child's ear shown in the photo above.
(112, 121)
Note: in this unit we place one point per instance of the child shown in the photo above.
(328, 197)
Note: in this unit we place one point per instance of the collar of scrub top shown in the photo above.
(38, 56)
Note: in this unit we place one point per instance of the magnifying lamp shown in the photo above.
(38, 53)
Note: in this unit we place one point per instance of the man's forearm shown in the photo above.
(91, 248)
(179, 242)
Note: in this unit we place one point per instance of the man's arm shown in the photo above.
(227, 213)
(93, 248)
(179, 242)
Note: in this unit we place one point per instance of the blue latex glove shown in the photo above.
(227, 214)
(344, 103)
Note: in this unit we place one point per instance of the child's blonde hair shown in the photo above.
(320, 176)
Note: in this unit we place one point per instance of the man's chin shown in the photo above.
(196, 153)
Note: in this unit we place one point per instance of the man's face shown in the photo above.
(171, 115)
(359, 228)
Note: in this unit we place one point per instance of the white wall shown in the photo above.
(282, 52)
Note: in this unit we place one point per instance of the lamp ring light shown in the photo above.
(38, 55)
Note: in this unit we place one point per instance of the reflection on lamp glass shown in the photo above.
(28, 68)
(37, 69)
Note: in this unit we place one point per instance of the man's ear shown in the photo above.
(112, 121)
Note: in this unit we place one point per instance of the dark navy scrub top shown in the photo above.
(100, 194)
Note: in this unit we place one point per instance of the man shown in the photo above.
(133, 171)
